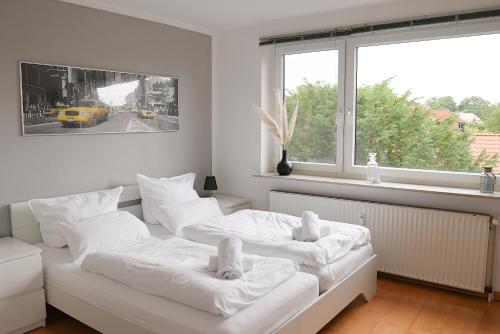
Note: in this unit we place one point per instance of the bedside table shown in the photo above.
(22, 299)
(229, 204)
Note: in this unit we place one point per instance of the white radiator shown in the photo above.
(442, 247)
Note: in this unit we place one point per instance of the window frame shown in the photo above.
(346, 103)
(315, 46)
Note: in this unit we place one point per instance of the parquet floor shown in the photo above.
(398, 307)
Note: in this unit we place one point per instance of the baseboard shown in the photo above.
(435, 285)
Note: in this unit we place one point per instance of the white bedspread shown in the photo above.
(270, 234)
(177, 269)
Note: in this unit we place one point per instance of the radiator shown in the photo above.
(441, 247)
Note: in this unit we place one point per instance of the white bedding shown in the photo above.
(327, 275)
(334, 272)
(161, 315)
(270, 234)
(178, 269)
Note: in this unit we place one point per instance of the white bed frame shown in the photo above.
(362, 281)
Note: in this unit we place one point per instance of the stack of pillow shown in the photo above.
(86, 222)
(173, 202)
(90, 222)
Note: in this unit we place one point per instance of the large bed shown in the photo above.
(110, 307)
(63, 277)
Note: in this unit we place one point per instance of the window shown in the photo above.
(312, 79)
(426, 101)
(414, 98)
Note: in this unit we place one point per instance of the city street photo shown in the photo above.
(72, 100)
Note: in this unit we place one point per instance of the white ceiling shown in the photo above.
(215, 15)
(210, 16)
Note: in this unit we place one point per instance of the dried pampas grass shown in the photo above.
(284, 130)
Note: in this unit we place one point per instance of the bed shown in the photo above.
(111, 307)
(341, 250)
(328, 275)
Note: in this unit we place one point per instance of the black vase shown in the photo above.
(284, 166)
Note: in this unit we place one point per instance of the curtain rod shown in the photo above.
(347, 31)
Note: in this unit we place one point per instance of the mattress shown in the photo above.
(162, 315)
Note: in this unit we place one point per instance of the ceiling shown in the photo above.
(211, 16)
(215, 15)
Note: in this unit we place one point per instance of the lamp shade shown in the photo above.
(210, 183)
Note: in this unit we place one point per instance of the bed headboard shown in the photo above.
(26, 228)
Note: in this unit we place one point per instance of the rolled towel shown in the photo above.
(311, 230)
(229, 265)
(246, 262)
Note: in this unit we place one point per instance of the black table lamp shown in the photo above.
(210, 184)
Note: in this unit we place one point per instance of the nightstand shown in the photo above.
(229, 204)
(22, 299)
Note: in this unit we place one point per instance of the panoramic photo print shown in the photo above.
(72, 100)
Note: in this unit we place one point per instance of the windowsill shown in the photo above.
(383, 185)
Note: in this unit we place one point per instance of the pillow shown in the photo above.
(103, 233)
(69, 209)
(175, 216)
(177, 189)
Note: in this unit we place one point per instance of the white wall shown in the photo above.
(237, 130)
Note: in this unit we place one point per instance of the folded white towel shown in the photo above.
(324, 231)
(246, 263)
(310, 226)
(229, 265)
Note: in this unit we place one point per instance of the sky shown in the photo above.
(457, 67)
(115, 95)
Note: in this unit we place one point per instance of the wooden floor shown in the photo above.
(399, 307)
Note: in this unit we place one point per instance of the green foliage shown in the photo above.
(474, 104)
(396, 127)
(491, 121)
(443, 102)
(314, 139)
(403, 135)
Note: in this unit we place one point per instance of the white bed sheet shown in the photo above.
(159, 231)
(334, 272)
(163, 315)
(328, 275)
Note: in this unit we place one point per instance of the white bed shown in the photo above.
(327, 276)
(112, 307)
(157, 313)
(267, 233)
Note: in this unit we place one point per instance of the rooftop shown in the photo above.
(488, 141)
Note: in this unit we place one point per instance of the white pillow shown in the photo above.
(175, 216)
(177, 189)
(70, 209)
(103, 233)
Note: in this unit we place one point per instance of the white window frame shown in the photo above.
(403, 175)
(346, 100)
(339, 45)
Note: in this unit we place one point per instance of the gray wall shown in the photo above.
(53, 32)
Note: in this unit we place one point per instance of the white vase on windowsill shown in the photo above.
(372, 170)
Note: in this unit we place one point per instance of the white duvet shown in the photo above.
(270, 234)
(177, 269)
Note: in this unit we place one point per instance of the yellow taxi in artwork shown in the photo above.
(145, 112)
(85, 113)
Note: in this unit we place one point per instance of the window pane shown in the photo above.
(311, 79)
(430, 104)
